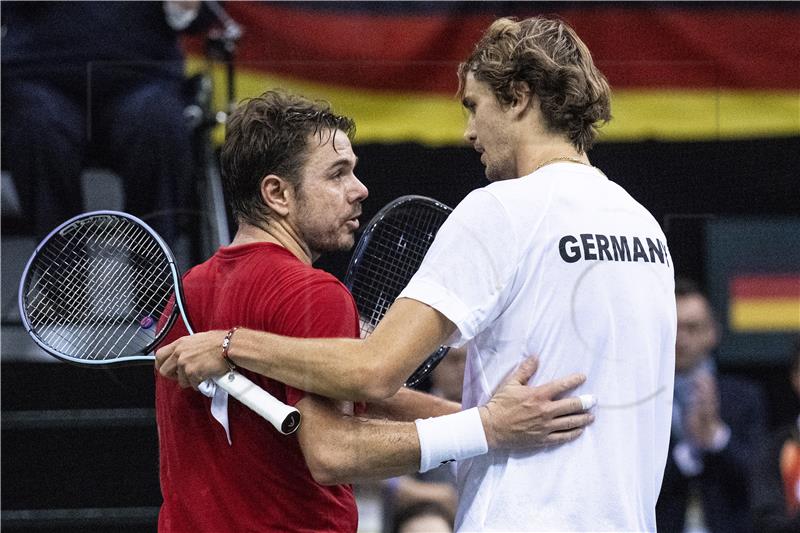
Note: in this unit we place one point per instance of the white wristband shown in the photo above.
(449, 438)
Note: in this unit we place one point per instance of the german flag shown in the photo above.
(764, 303)
(678, 71)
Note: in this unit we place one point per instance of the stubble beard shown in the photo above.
(498, 172)
(319, 239)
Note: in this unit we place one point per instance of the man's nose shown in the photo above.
(360, 191)
(469, 132)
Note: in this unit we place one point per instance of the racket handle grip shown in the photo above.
(285, 419)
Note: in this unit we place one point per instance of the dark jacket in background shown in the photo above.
(722, 486)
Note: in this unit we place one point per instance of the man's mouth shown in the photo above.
(353, 223)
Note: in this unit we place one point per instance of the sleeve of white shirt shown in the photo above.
(467, 271)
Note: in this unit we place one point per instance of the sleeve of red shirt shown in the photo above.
(318, 308)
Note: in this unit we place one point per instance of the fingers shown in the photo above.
(572, 405)
(183, 381)
(167, 361)
(189, 360)
(163, 354)
(560, 437)
(560, 386)
(168, 367)
(525, 370)
(571, 422)
(188, 379)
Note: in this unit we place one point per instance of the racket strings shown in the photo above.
(67, 264)
(388, 255)
(388, 271)
(139, 300)
(119, 299)
(85, 320)
(152, 309)
(64, 288)
(96, 287)
(62, 298)
(100, 343)
(72, 268)
(394, 253)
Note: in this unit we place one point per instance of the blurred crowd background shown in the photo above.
(120, 105)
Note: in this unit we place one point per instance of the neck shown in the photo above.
(276, 232)
(547, 149)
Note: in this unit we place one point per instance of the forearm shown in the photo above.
(335, 368)
(409, 405)
(348, 369)
(343, 449)
(340, 448)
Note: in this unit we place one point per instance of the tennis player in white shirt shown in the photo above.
(550, 258)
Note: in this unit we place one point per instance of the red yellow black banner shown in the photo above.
(764, 303)
(678, 71)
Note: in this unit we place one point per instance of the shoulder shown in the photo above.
(198, 275)
(311, 288)
(485, 206)
(316, 304)
(278, 265)
(309, 279)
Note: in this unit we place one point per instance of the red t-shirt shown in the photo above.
(261, 481)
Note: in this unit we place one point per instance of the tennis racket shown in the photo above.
(388, 254)
(103, 289)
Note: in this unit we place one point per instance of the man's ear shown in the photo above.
(276, 193)
(521, 97)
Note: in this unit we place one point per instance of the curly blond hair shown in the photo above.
(557, 66)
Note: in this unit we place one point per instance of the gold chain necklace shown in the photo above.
(562, 158)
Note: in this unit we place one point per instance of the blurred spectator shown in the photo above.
(438, 486)
(776, 475)
(717, 421)
(423, 517)
(95, 83)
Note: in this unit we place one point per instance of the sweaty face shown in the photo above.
(328, 199)
(487, 130)
(697, 333)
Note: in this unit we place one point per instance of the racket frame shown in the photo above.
(284, 418)
(122, 361)
(369, 229)
(364, 240)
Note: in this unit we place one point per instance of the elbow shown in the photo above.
(376, 392)
(326, 469)
(377, 382)
(324, 476)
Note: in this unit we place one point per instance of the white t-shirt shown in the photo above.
(562, 263)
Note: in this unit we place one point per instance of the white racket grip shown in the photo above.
(285, 419)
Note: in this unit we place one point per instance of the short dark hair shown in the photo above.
(557, 66)
(269, 134)
(687, 287)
